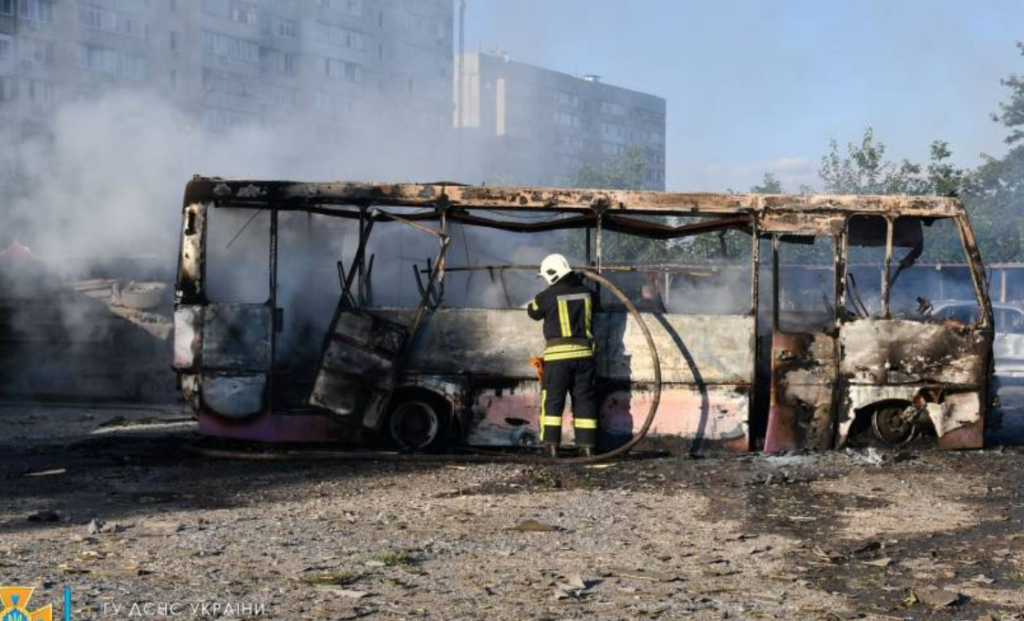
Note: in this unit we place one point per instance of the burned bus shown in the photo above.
(394, 314)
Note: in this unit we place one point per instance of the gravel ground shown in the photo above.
(106, 501)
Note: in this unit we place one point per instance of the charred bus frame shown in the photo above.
(410, 375)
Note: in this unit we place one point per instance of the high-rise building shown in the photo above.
(327, 66)
(523, 124)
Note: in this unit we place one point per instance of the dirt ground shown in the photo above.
(107, 502)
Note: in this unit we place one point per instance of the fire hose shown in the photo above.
(318, 455)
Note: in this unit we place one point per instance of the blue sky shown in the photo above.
(755, 86)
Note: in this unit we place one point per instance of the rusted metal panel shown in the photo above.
(694, 349)
(898, 351)
(234, 396)
(798, 222)
(499, 343)
(958, 420)
(803, 390)
(236, 337)
(358, 366)
(190, 283)
(287, 194)
(188, 322)
(268, 427)
(709, 416)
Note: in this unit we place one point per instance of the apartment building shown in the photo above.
(328, 67)
(523, 124)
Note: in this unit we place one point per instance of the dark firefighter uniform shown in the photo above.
(567, 309)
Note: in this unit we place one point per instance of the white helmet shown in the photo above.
(553, 268)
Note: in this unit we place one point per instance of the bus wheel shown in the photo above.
(416, 425)
(894, 424)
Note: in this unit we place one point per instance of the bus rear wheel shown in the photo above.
(893, 426)
(417, 425)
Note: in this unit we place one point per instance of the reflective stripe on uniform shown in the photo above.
(563, 318)
(551, 421)
(543, 415)
(566, 348)
(587, 315)
(533, 304)
(585, 423)
(568, 352)
(569, 356)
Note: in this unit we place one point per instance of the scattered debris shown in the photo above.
(345, 592)
(573, 587)
(936, 598)
(44, 516)
(533, 526)
(46, 473)
(159, 528)
(96, 526)
(336, 578)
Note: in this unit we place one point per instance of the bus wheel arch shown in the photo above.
(421, 419)
(889, 422)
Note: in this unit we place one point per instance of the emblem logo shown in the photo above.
(14, 602)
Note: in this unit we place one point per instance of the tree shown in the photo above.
(864, 170)
(994, 193)
(770, 184)
(624, 172)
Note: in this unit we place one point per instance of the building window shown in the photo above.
(565, 98)
(245, 14)
(98, 18)
(36, 52)
(111, 62)
(341, 70)
(231, 47)
(340, 36)
(613, 133)
(5, 47)
(613, 109)
(286, 28)
(335, 104)
(173, 40)
(352, 7)
(7, 7)
(288, 63)
(275, 95)
(40, 95)
(36, 10)
(8, 89)
(567, 120)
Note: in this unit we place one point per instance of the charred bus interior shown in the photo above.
(393, 314)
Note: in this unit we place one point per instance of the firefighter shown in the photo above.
(567, 309)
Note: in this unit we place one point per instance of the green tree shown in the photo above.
(624, 172)
(994, 192)
(770, 184)
(863, 169)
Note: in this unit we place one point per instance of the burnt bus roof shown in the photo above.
(307, 196)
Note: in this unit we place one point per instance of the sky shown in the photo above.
(763, 86)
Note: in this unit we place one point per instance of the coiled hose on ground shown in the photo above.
(479, 456)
